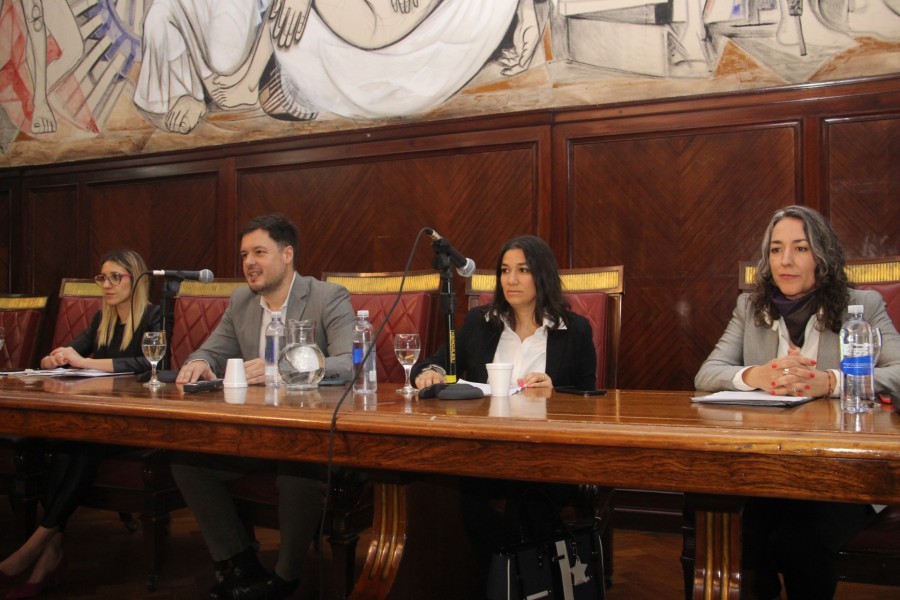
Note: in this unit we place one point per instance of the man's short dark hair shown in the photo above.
(282, 231)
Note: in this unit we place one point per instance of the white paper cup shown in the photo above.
(235, 377)
(499, 376)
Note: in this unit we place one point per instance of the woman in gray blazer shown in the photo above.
(783, 339)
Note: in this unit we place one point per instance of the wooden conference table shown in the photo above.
(629, 439)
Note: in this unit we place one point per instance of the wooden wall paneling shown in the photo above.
(362, 214)
(53, 244)
(6, 226)
(53, 235)
(170, 222)
(863, 183)
(679, 210)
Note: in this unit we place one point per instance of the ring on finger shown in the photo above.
(786, 371)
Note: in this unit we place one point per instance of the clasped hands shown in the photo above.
(62, 356)
(791, 375)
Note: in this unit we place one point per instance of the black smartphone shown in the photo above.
(569, 389)
(335, 381)
(203, 386)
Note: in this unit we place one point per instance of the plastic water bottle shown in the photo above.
(274, 346)
(367, 380)
(857, 365)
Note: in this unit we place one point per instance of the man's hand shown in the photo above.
(195, 371)
(255, 371)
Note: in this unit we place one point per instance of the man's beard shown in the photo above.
(268, 286)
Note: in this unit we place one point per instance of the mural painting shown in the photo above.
(94, 78)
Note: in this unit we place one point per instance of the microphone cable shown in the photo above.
(332, 429)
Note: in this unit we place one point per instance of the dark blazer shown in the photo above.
(130, 360)
(571, 356)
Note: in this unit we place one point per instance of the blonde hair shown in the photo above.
(140, 298)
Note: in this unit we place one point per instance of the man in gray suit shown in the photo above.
(268, 246)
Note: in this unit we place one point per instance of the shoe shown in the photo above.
(266, 588)
(240, 584)
(34, 589)
(278, 589)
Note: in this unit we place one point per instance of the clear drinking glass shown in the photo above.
(2, 337)
(154, 346)
(406, 347)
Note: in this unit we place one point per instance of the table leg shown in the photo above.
(418, 547)
(711, 553)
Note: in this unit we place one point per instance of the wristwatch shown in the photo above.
(436, 368)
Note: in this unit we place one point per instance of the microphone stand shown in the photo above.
(170, 288)
(447, 305)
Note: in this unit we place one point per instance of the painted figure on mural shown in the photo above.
(53, 46)
(296, 58)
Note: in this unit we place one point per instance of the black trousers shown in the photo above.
(72, 470)
(799, 539)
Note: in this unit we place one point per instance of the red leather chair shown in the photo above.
(79, 301)
(21, 458)
(376, 292)
(198, 309)
(21, 318)
(138, 481)
(595, 293)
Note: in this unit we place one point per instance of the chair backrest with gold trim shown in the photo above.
(879, 274)
(198, 309)
(21, 318)
(376, 293)
(595, 293)
(79, 301)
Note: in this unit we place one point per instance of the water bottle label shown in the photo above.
(856, 365)
(358, 355)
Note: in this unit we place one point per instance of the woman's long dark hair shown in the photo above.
(832, 286)
(549, 301)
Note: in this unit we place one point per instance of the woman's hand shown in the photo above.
(428, 377)
(791, 375)
(61, 357)
(536, 380)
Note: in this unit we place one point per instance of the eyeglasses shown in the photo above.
(113, 278)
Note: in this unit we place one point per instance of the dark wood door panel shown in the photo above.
(170, 222)
(5, 240)
(365, 216)
(55, 238)
(863, 184)
(679, 212)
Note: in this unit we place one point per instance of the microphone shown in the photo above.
(464, 266)
(204, 276)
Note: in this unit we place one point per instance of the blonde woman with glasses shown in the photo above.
(112, 343)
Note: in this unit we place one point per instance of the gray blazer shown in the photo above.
(744, 344)
(328, 304)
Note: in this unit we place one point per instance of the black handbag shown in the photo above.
(566, 566)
